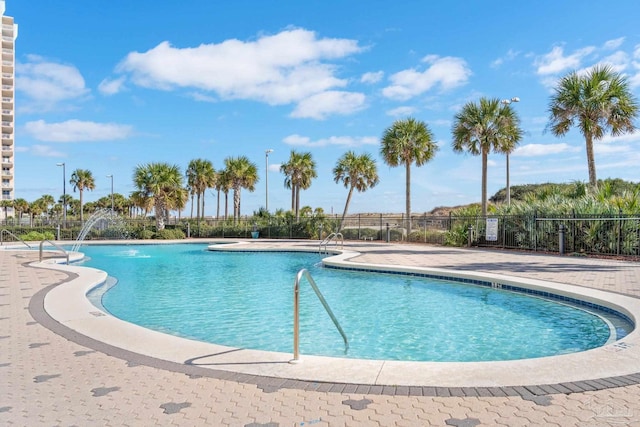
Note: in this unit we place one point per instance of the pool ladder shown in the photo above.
(296, 313)
(328, 239)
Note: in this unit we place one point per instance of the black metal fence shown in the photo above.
(617, 235)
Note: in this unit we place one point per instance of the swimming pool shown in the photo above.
(245, 300)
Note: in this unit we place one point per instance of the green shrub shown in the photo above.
(168, 234)
(33, 236)
(145, 234)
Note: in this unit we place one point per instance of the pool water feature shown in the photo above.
(245, 300)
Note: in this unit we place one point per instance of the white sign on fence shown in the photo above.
(492, 229)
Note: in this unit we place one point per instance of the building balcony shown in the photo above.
(6, 112)
(6, 136)
(7, 123)
(7, 87)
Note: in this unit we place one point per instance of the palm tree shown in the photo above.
(49, 202)
(242, 173)
(403, 143)
(597, 102)
(6, 204)
(299, 171)
(200, 176)
(355, 172)
(162, 183)
(82, 179)
(21, 206)
(223, 184)
(481, 127)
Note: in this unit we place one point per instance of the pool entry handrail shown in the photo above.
(328, 239)
(296, 313)
(4, 231)
(55, 246)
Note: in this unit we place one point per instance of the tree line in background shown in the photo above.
(596, 102)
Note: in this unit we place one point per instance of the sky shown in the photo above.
(108, 86)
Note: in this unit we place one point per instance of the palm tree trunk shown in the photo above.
(297, 203)
(203, 196)
(484, 181)
(346, 208)
(218, 205)
(408, 195)
(191, 216)
(198, 203)
(226, 204)
(591, 163)
(236, 204)
(81, 210)
(159, 208)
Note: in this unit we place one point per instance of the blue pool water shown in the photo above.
(246, 300)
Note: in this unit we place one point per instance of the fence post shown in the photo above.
(561, 239)
(388, 233)
(470, 236)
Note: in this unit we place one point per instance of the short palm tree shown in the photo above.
(82, 179)
(597, 102)
(242, 173)
(5, 205)
(403, 143)
(200, 177)
(357, 172)
(161, 183)
(299, 171)
(482, 127)
(21, 206)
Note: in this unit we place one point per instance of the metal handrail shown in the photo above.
(328, 240)
(3, 232)
(296, 312)
(56, 246)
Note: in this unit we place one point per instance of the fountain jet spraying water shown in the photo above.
(101, 218)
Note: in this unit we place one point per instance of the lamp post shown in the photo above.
(507, 102)
(64, 192)
(111, 176)
(266, 177)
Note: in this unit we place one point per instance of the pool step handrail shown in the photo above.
(296, 313)
(328, 239)
(5, 231)
(55, 246)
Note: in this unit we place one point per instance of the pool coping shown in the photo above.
(66, 308)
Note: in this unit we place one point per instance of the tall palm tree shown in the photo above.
(82, 179)
(403, 143)
(162, 183)
(299, 171)
(597, 102)
(48, 201)
(485, 126)
(357, 172)
(200, 176)
(242, 173)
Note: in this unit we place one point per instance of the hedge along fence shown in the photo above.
(589, 234)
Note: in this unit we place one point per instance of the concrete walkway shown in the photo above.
(46, 379)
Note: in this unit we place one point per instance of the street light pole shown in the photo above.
(507, 102)
(266, 177)
(111, 176)
(64, 192)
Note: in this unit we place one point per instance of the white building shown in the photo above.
(9, 35)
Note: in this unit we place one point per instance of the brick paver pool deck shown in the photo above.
(66, 380)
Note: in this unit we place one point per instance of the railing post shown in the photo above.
(561, 239)
(388, 233)
(470, 236)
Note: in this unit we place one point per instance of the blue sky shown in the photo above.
(107, 86)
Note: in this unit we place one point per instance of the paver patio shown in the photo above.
(47, 379)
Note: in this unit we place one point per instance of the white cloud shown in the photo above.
(401, 111)
(197, 96)
(46, 84)
(533, 150)
(556, 62)
(372, 77)
(344, 141)
(447, 73)
(322, 105)
(44, 151)
(76, 131)
(284, 68)
(509, 56)
(111, 86)
(613, 44)
(625, 138)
